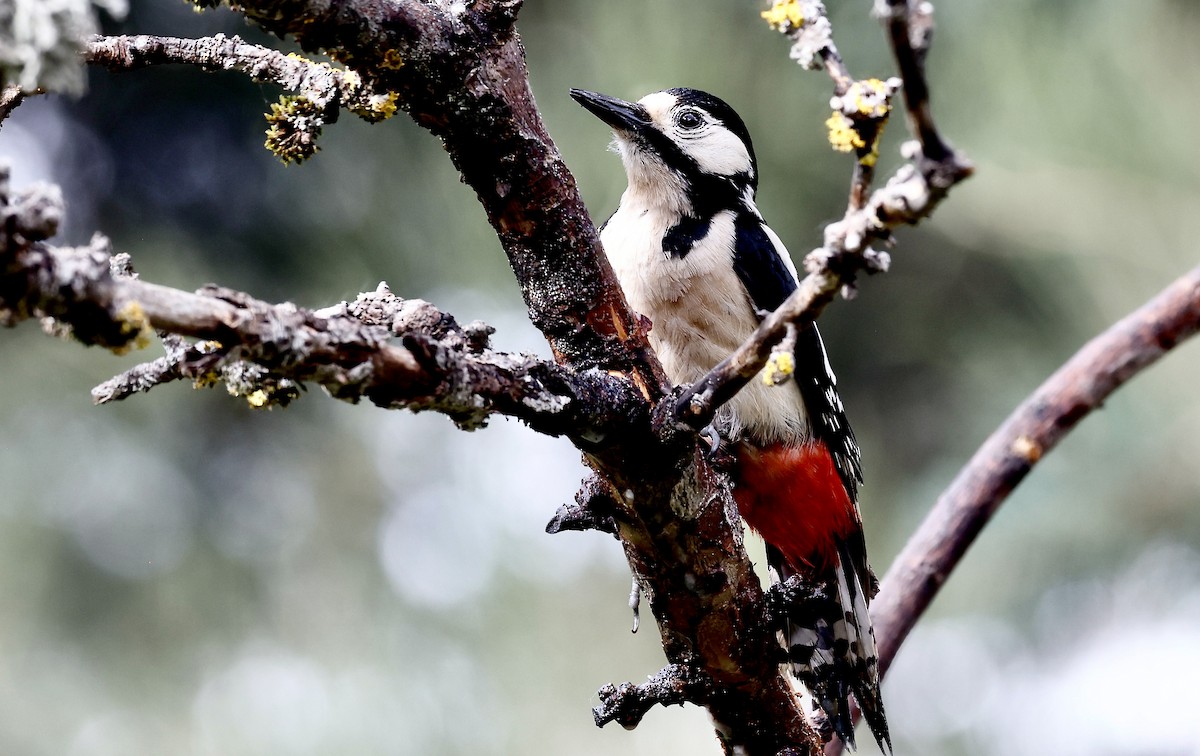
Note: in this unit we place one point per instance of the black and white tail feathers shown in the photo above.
(833, 654)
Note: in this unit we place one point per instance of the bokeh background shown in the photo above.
(182, 574)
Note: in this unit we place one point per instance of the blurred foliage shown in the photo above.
(180, 574)
(39, 41)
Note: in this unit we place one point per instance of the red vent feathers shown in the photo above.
(795, 499)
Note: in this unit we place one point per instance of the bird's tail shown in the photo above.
(795, 497)
(834, 653)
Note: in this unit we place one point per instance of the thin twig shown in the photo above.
(10, 97)
(321, 83)
(627, 703)
(698, 404)
(901, 17)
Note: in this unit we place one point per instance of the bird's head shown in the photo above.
(680, 142)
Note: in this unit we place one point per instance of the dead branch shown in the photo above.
(627, 703)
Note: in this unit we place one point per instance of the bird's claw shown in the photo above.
(710, 434)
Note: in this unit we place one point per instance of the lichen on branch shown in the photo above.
(319, 90)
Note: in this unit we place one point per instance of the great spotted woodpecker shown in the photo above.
(694, 255)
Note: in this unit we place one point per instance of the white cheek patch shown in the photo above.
(717, 151)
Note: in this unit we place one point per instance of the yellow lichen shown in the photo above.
(133, 322)
(302, 59)
(257, 398)
(294, 124)
(207, 380)
(393, 60)
(784, 15)
(842, 134)
(376, 108)
(862, 110)
(779, 368)
(870, 97)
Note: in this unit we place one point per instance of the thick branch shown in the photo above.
(349, 357)
(460, 71)
(466, 81)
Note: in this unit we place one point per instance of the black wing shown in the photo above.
(760, 267)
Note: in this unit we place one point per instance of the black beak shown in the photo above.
(618, 114)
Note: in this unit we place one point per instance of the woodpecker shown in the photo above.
(695, 256)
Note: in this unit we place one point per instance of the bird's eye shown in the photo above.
(689, 119)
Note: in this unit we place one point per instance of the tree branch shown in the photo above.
(295, 122)
(627, 703)
(459, 70)
(346, 349)
(698, 404)
(10, 97)
(1102, 366)
(1033, 429)
(910, 27)
(323, 84)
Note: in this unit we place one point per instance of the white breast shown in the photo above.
(700, 312)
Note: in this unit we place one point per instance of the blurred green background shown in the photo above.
(182, 574)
